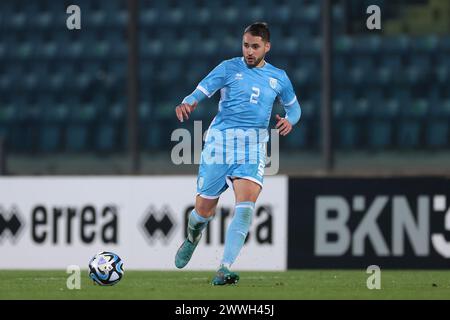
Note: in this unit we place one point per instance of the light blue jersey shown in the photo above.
(247, 96)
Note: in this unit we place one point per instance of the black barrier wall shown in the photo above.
(353, 223)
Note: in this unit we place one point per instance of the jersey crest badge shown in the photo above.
(273, 83)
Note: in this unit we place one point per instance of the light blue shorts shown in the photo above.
(214, 178)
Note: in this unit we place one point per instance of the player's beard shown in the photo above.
(255, 62)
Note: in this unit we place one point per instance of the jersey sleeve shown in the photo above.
(287, 95)
(214, 81)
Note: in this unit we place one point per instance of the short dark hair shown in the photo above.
(259, 29)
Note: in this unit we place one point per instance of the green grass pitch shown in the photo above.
(193, 285)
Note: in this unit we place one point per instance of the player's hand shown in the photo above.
(283, 125)
(184, 110)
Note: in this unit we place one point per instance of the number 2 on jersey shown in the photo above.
(255, 95)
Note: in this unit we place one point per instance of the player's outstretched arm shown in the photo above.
(283, 125)
(188, 104)
(183, 110)
(293, 114)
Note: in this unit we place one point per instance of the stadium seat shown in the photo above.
(346, 126)
(343, 45)
(437, 134)
(2, 50)
(367, 45)
(43, 20)
(107, 131)
(309, 15)
(105, 137)
(49, 137)
(444, 44)
(396, 45)
(17, 20)
(380, 134)
(425, 44)
(410, 125)
(298, 138)
(8, 120)
(348, 134)
(148, 17)
(280, 13)
(438, 121)
(408, 135)
(80, 127)
(410, 75)
(382, 123)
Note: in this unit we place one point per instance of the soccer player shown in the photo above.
(248, 88)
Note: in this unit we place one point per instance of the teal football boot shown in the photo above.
(184, 253)
(225, 276)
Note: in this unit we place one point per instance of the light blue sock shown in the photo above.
(196, 224)
(237, 231)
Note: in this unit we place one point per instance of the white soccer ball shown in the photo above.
(106, 268)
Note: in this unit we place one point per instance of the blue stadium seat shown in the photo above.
(209, 47)
(380, 134)
(280, 13)
(196, 71)
(410, 125)
(338, 15)
(425, 44)
(152, 47)
(408, 135)
(85, 72)
(308, 15)
(9, 77)
(437, 133)
(298, 137)
(174, 16)
(96, 19)
(362, 70)
(389, 70)
(17, 20)
(438, 121)
(25, 50)
(343, 44)
(303, 76)
(346, 128)
(43, 19)
(9, 116)
(48, 50)
(105, 137)
(418, 108)
(151, 136)
(396, 45)
(49, 137)
(2, 50)
(76, 138)
(382, 121)
(31, 81)
(52, 127)
(363, 45)
(444, 44)
(108, 128)
(148, 17)
(74, 49)
(306, 127)
(442, 67)
(80, 127)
